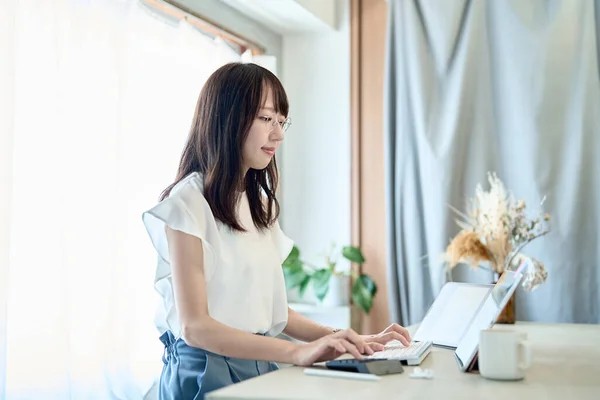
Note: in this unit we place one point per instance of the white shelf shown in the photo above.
(316, 308)
(338, 317)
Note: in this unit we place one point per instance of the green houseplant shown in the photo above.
(300, 274)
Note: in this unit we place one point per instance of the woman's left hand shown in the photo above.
(392, 332)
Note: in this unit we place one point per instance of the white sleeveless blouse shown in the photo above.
(245, 288)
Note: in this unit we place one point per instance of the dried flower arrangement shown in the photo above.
(495, 229)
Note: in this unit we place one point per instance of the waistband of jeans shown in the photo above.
(169, 339)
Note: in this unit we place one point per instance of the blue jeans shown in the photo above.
(190, 372)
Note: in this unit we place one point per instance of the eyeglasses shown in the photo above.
(271, 122)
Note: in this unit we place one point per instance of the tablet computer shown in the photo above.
(449, 316)
(467, 350)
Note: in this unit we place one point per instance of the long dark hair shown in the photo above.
(226, 108)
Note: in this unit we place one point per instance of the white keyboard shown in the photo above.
(395, 350)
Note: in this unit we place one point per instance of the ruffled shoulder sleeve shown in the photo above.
(185, 210)
(283, 243)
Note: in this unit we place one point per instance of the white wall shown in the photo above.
(315, 156)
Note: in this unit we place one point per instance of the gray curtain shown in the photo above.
(508, 86)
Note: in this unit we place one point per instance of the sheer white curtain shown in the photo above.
(96, 99)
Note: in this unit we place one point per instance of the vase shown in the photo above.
(308, 297)
(508, 313)
(338, 293)
(507, 316)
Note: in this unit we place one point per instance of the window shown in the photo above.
(100, 96)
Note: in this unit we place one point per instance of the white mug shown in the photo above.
(503, 354)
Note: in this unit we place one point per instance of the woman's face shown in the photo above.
(264, 137)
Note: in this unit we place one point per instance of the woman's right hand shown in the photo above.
(332, 346)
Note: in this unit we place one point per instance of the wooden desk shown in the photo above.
(566, 365)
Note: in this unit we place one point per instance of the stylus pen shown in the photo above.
(341, 374)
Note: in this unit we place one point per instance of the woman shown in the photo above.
(221, 248)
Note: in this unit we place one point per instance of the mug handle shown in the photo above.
(525, 353)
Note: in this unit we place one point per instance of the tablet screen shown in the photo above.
(451, 313)
(486, 316)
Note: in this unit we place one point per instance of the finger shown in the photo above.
(351, 348)
(349, 335)
(337, 345)
(353, 337)
(394, 336)
(384, 338)
(376, 346)
(400, 329)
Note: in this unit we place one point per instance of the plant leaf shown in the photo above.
(320, 280)
(303, 286)
(353, 254)
(363, 291)
(293, 256)
(294, 274)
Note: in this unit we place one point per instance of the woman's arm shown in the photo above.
(198, 328)
(302, 328)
